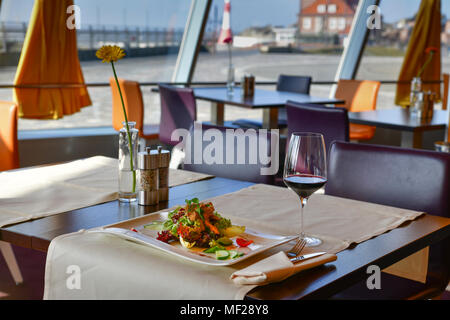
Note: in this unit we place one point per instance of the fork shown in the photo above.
(297, 248)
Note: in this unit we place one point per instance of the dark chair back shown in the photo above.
(236, 160)
(399, 177)
(178, 111)
(297, 84)
(331, 122)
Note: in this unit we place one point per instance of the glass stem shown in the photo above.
(302, 206)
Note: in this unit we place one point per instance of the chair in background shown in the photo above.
(9, 159)
(134, 105)
(445, 102)
(405, 178)
(359, 95)
(331, 122)
(296, 84)
(178, 111)
(249, 171)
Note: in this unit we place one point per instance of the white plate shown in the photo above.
(261, 242)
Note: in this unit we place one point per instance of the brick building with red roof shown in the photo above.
(326, 16)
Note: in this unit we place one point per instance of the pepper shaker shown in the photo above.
(148, 177)
(251, 85)
(164, 160)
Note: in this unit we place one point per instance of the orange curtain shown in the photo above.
(426, 33)
(50, 56)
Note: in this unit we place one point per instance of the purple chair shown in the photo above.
(331, 122)
(246, 171)
(296, 84)
(406, 178)
(178, 110)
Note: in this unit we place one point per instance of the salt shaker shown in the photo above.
(163, 171)
(148, 177)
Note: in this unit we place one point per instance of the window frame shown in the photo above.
(333, 5)
(332, 23)
(307, 23)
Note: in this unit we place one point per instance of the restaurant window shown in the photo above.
(312, 51)
(150, 31)
(385, 49)
(13, 26)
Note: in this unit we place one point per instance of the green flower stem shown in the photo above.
(128, 128)
(430, 57)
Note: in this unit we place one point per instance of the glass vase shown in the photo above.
(230, 79)
(416, 97)
(127, 162)
(416, 88)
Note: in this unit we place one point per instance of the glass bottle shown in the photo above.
(127, 163)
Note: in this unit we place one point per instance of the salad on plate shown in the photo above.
(199, 227)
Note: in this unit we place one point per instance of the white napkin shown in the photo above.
(276, 268)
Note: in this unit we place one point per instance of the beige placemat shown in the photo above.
(42, 191)
(111, 268)
(178, 177)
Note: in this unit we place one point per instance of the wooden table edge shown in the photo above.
(37, 243)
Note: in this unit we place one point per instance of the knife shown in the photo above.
(306, 256)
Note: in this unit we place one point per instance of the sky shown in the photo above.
(173, 13)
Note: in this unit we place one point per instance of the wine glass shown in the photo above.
(305, 171)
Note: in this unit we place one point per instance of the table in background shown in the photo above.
(321, 282)
(411, 129)
(267, 100)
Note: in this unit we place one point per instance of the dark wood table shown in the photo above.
(412, 129)
(321, 282)
(267, 100)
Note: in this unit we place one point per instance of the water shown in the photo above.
(265, 67)
(126, 193)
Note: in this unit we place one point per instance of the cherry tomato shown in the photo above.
(243, 242)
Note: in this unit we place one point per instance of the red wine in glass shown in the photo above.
(304, 184)
(305, 171)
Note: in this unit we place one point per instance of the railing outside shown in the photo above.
(208, 83)
(91, 37)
